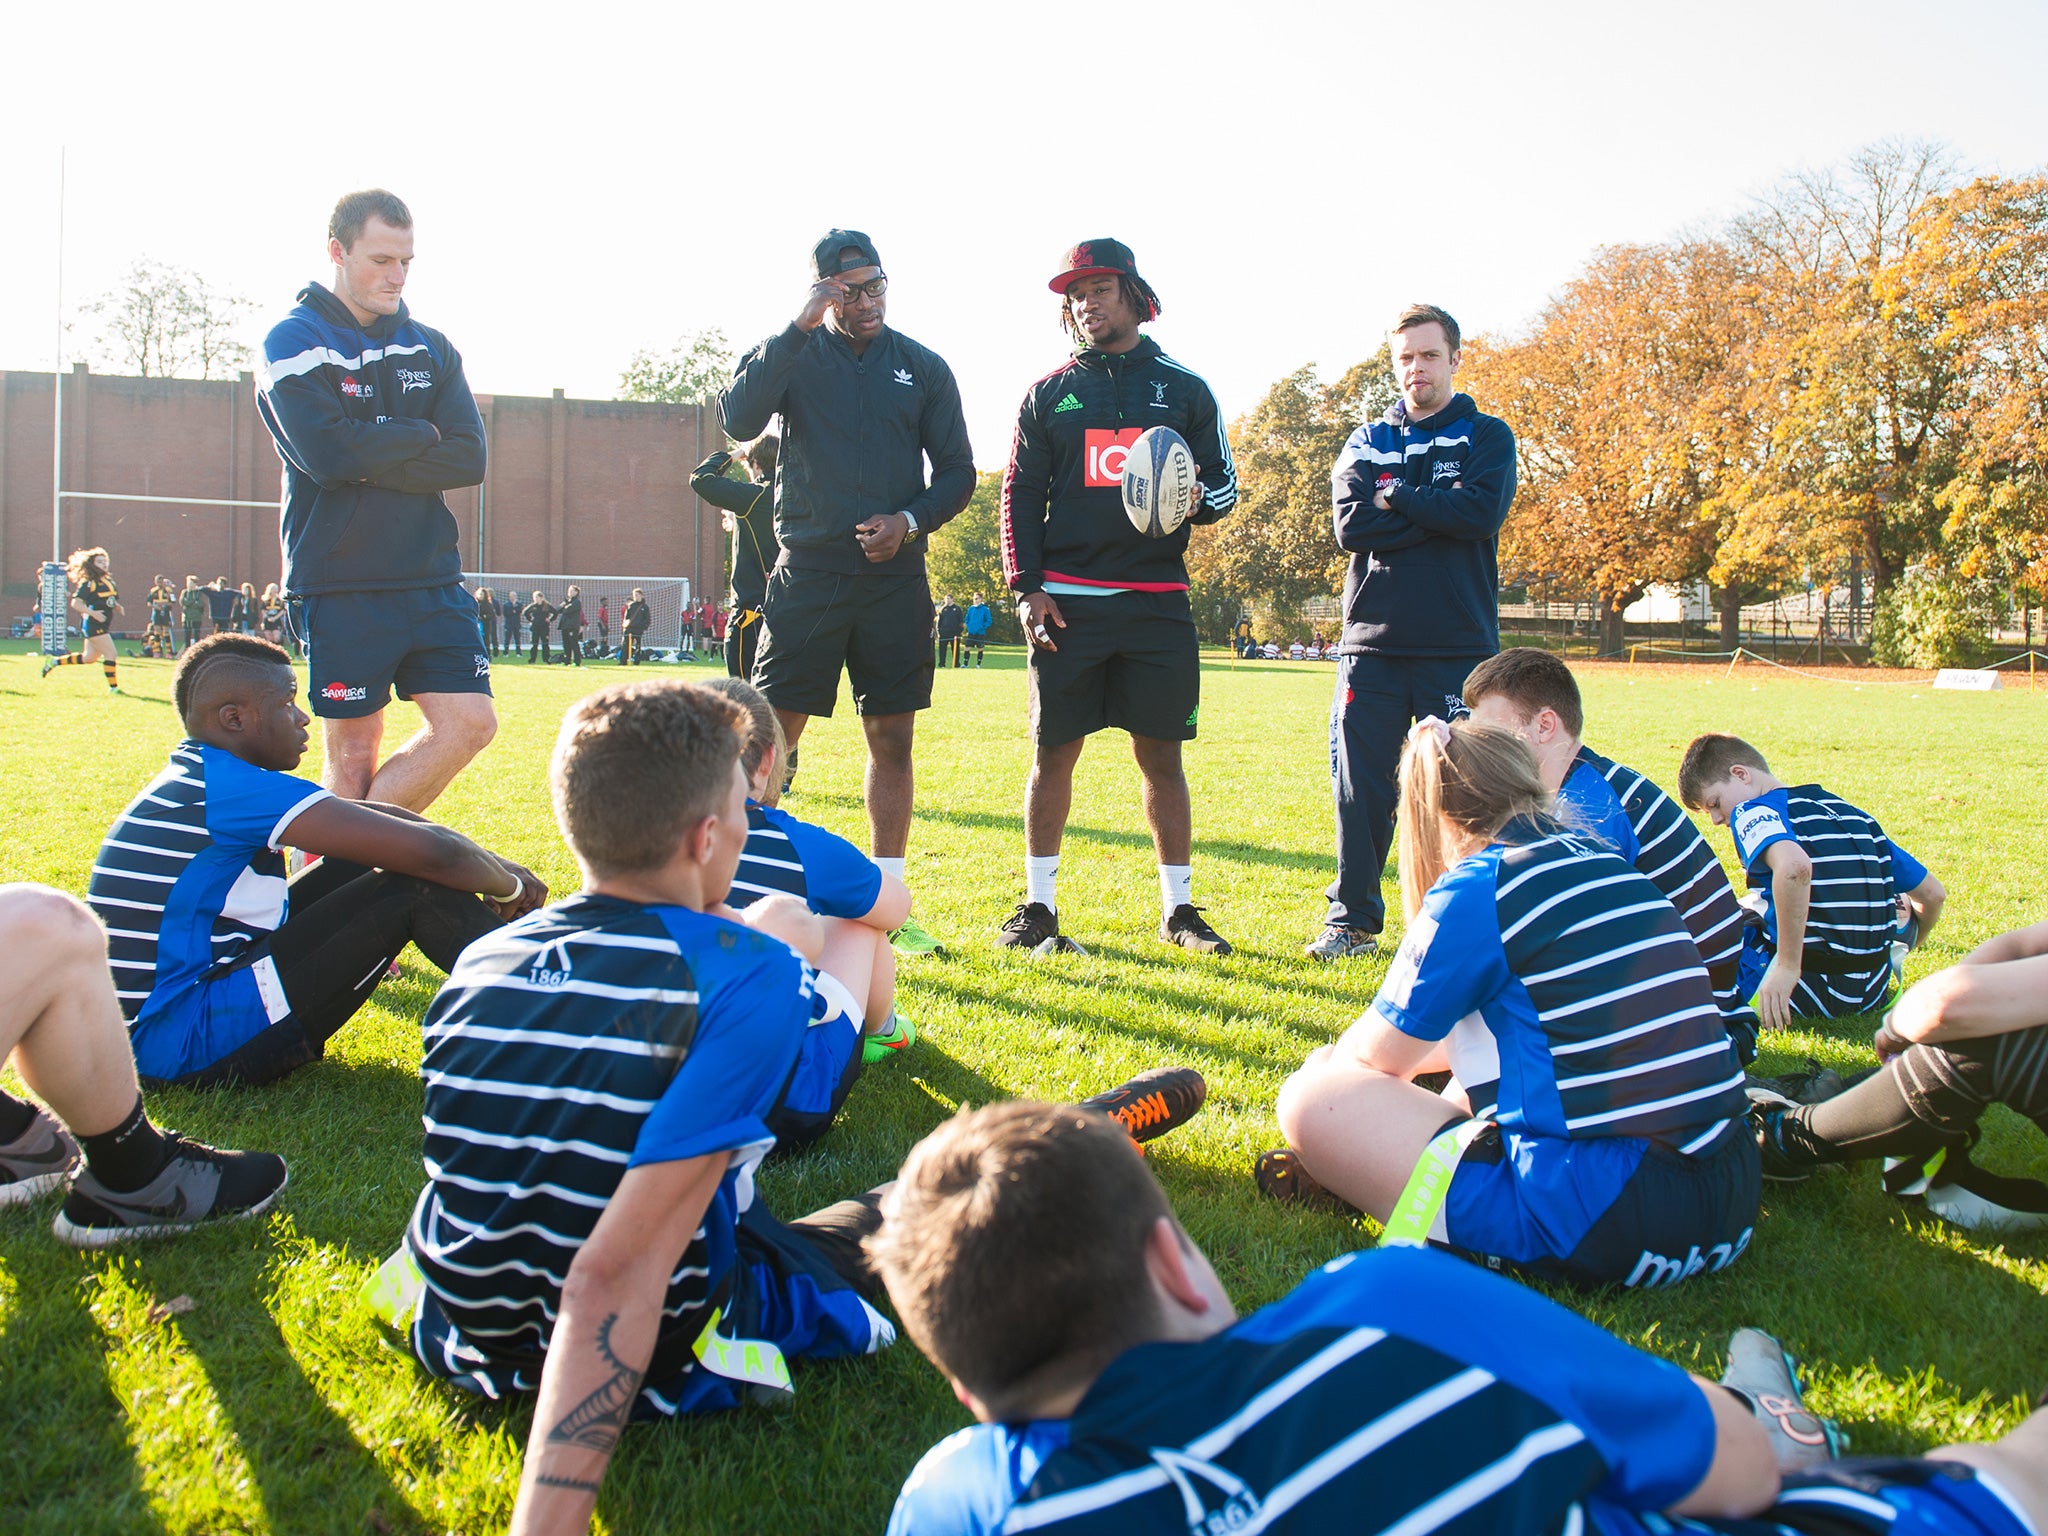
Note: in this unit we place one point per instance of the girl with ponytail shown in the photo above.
(1592, 1130)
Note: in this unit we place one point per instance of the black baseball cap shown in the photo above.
(826, 260)
(1093, 258)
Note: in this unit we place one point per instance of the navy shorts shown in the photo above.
(1879, 1497)
(363, 646)
(1608, 1210)
(878, 629)
(1128, 660)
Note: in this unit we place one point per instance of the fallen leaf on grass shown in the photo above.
(164, 1311)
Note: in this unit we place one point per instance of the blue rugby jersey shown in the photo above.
(1395, 1390)
(190, 874)
(1650, 830)
(586, 1039)
(1571, 997)
(790, 857)
(1857, 871)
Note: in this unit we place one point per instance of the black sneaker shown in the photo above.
(1152, 1103)
(1811, 1084)
(1186, 928)
(1029, 926)
(1280, 1176)
(1766, 1110)
(199, 1184)
(38, 1162)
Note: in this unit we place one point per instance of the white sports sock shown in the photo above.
(1041, 881)
(891, 866)
(1176, 886)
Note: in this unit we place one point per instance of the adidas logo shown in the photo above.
(1068, 404)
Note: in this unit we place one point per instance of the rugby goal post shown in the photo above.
(668, 602)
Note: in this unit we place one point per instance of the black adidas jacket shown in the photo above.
(855, 434)
(752, 506)
(1063, 510)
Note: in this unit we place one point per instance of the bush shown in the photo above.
(1933, 619)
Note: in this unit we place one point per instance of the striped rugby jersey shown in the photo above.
(1552, 955)
(1399, 1390)
(790, 857)
(588, 1038)
(1845, 962)
(1649, 829)
(190, 875)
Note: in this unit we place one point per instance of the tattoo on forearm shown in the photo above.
(594, 1423)
(577, 1483)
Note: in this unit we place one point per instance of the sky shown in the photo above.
(588, 181)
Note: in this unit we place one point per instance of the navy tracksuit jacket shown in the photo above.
(1421, 608)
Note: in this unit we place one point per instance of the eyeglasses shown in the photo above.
(873, 288)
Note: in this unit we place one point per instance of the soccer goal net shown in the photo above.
(667, 598)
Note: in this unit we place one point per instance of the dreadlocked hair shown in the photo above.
(1136, 292)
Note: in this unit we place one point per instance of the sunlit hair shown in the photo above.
(637, 766)
(761, 453)
(80, 562)
(1427, 314)
(1472, 785)
(358, 208)
(764, 731)
(1532, 681)
(1136, 292)
(1013, 1246)
(1708, 761)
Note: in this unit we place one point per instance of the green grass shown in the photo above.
(276, 1404)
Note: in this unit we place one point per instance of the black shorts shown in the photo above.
(878, 628)
(95, 626)
(361, 646)
(1130, 660)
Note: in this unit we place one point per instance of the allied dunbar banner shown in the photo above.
(56, 598)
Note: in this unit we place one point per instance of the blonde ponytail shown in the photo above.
(1468, 778)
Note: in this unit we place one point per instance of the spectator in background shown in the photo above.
(569, 618)
(1296, 651)
(540, 622)
(952, 625)
(508, 610)
(270, 614)
(247, 610)
(977, 619)
(192, 612)
(604, 627)
(163, 601)
(487, 618)
(220, 606)
(748, 510)
(633, 626)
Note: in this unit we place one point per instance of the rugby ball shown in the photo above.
(1159, 474)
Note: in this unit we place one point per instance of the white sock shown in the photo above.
(1176, 886)
(891, 866)
(1041, 881)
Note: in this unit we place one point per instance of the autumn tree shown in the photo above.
(168, 322)
(966, 556)
(1277, 549)
(690, 372)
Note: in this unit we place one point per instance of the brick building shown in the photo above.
(574, 487)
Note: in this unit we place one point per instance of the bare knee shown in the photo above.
(51, 926)
(890, 739)
(1298, 1094)
(1159, 760)
(468, 727)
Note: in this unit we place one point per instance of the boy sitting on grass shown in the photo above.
(226, 972)
(1534, 694)
(599, 1079)
(861, 902)
(1033, 1258)
(1836, 890)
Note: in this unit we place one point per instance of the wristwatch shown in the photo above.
(909, 518)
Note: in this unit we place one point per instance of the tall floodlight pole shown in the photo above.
(57, 417)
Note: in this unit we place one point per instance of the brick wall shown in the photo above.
(575, 487)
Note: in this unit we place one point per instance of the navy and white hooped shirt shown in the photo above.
(788, 857)
(190, 875)
(1396, 1390)
(1571, 997)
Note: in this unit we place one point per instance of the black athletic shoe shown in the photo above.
(199, 1184)
(1812, 1084)
(789, 771)
(1186, 928)
(1152, 1103)
(1029, 926)
(38, 1162)
(1766, 1109)
(1280, 1176)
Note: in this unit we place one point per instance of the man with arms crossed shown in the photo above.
(1105, 609)
(374, 420)
(862, 408)
(1419, 499)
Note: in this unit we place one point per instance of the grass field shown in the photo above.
(276, 1404)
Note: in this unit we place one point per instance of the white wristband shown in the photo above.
(518, 886)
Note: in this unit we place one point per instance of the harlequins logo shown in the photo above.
(1071, 403)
